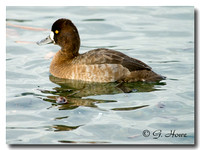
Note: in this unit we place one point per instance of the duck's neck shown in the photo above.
(62, 58)
(68, 54)
(71, 47)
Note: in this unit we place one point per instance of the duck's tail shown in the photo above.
(145, 76)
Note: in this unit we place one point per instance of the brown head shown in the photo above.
(65, 34)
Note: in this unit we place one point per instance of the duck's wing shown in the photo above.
(107, 56)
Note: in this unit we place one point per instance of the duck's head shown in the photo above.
(65, 34)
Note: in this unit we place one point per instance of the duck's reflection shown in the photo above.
(74, 93)
(73, 103)
(74, 88)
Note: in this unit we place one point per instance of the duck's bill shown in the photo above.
(48, 40)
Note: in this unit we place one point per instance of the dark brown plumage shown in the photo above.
(107, 56)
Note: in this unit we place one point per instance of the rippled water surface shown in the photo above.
(108, 113)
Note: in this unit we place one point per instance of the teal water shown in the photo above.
(109, 113)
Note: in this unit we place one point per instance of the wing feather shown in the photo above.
(107, 56)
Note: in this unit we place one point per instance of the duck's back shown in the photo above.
(107, 56)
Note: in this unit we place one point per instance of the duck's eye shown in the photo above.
(56, 32)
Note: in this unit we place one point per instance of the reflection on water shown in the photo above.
(94, 20)
(73, 103)
(130, 108)
(74, 88)
(17, 20)
(64, 128)
(75, 92)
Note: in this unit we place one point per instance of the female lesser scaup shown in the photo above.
(99, 65)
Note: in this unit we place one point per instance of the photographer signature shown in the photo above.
(158, 134)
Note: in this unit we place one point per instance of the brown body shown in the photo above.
(102, 65)
(99, 65)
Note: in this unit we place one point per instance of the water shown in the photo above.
(111, 113)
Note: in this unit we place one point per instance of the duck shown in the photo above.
(97, 65)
